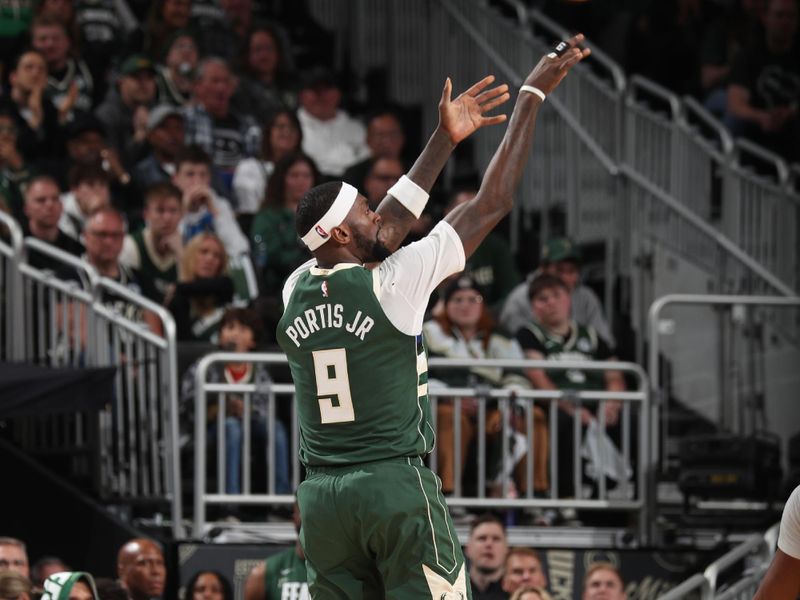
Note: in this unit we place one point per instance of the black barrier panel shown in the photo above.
(647, 574)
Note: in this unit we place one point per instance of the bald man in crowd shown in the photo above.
(141, 569)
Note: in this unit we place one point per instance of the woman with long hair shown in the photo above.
(277, 248)
(282, 136)
(203, 290)
(268, 81)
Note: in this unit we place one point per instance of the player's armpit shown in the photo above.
(782, 581)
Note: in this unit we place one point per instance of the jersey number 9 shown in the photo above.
(330, 369)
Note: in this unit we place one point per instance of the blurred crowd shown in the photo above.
(740, 58)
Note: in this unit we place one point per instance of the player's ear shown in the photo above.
(341, 234)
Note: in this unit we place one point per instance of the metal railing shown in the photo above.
(632, 429)
(72, 317)
(756, 548)
(11, 299)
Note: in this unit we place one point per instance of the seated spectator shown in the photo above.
(155, 250)
(43, 209)
(70, 85)
(35, 116)
(276, 248)
(14, 556)
(465, 329)
(282, 137)
(240, 330)
(732, 30)
(603, 582)
(282, 575)
(523, 568)
(268, 83)
(15, 172)
(764, 89)
(331, 137)
(165, 133)
(89, 191)
(141, 569)
(560, 257)
(165, 19)
(124, 111)
(211, 124)
(180, 58)
(15, 586)
(552, 335)
(382, 174)
(385, 139)
(46, 566)
(203, 290)
(208, 585)
(69, 585)
(530, 593)
(486, 550)
(203, 209)
(492, 264)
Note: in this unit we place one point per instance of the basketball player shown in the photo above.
(375, 524)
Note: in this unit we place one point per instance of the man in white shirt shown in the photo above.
(782, 581)
(334, 139)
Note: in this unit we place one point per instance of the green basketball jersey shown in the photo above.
(155, 278)
(285, 577)
(581, 344)
(361, 383)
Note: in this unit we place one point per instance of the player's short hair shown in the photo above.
(314, 205)
(487, 518)
(161, 191)
(602, 566)
(545, 281)
(523, 551)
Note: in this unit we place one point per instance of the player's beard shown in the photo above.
(370, 250)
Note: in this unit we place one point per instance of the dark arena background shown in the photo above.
(152, 155)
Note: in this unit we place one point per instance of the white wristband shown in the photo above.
(533, 90)
(410, 195)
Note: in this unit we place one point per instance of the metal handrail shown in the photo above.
(13, 251)
(62, 256)
(694, 108)
(752, 544)
(713, 233)
(638, 83)
(745, 146)
(696, 582)
(617, 74)
(640, 396)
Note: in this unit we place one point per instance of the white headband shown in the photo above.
(321, 232)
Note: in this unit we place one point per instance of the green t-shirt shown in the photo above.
(285, 576)
(353, 338)
(581, 343)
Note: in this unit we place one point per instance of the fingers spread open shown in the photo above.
(476, 88)
(502, 99)
(492, 93)
(493, 120)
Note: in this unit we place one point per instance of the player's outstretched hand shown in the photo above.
(461, 117)
(555, 65)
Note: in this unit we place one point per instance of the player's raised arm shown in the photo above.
(476, 218)
(458, 119)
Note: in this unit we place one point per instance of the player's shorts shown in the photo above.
(379, 530)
